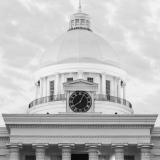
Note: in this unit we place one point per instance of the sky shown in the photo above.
(131, 27)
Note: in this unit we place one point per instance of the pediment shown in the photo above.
(80, 84)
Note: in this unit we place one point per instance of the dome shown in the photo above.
(79, 46)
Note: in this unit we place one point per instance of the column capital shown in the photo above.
(93, 145)
(14, 149)
(145, 145)
(119, 145)
(14, 145)
(57, 73)
(40, 145)
(103, 73)
(145, 150)
(66, 145)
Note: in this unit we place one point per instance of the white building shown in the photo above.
(80, 109)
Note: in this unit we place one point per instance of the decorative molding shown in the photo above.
(3, 147)
(155, 138)
(4, 138)
(156, 147)
(82, 126)
(80, 136)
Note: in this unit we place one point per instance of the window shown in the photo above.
(89, 79)
(77, 22)
(72, 23)
(51, 87)
(69, 79)
(82, 22)
(128, 157)
(30, 157)
(107, 87)
(87, 23)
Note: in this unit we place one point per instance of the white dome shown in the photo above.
(79, 46)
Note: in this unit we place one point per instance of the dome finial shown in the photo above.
(79, 5)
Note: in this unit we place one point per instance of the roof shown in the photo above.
(79, 46)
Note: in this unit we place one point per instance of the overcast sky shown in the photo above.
(132, 28)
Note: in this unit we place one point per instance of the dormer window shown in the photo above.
(69, 79)
(90, 79)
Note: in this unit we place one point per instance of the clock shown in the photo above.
(80, 101)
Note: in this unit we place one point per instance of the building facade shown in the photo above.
(80, 109)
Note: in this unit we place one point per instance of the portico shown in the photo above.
(95, 135)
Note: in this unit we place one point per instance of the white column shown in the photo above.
(80, 74)
(14, 151)
(62, 81)
(124, 91)
(119, 88)
(36, 84)
(103, 83)
(115, 87)
(93, 150)
(41, 87)
(56, 84)
(40, 150)
(145, 151)
(66, 150)
(119, 151)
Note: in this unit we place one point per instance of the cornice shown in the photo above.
(80, 136)
(80, 126)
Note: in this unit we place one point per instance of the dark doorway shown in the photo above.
(79, 157)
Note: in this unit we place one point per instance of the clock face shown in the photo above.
(80, 101)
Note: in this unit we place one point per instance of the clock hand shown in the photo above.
(81, 98)
(79, 101)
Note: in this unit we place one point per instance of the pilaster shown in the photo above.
(66, 150)
(119, 150)
(13, 150)
(93, 149)
(40, 150)
(145, 151)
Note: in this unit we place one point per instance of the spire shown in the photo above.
(79, 5)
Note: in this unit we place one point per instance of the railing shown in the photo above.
(59, 97)
(98, 97)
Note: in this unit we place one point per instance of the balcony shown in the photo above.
(62, 97)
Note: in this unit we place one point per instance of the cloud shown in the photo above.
(28, 27)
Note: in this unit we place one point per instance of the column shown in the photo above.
(56, 84)
(41, 87)
(80, 74)
(119, 88)
(93, 149)
(40, 150)
(103, 83)
(14, 151)
(66, 150)
(36, 84)
(62, 81)
(124, 90)
(115, 87)
(145, 151)
(119, 151)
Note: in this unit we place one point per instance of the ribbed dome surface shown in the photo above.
(79, 46)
